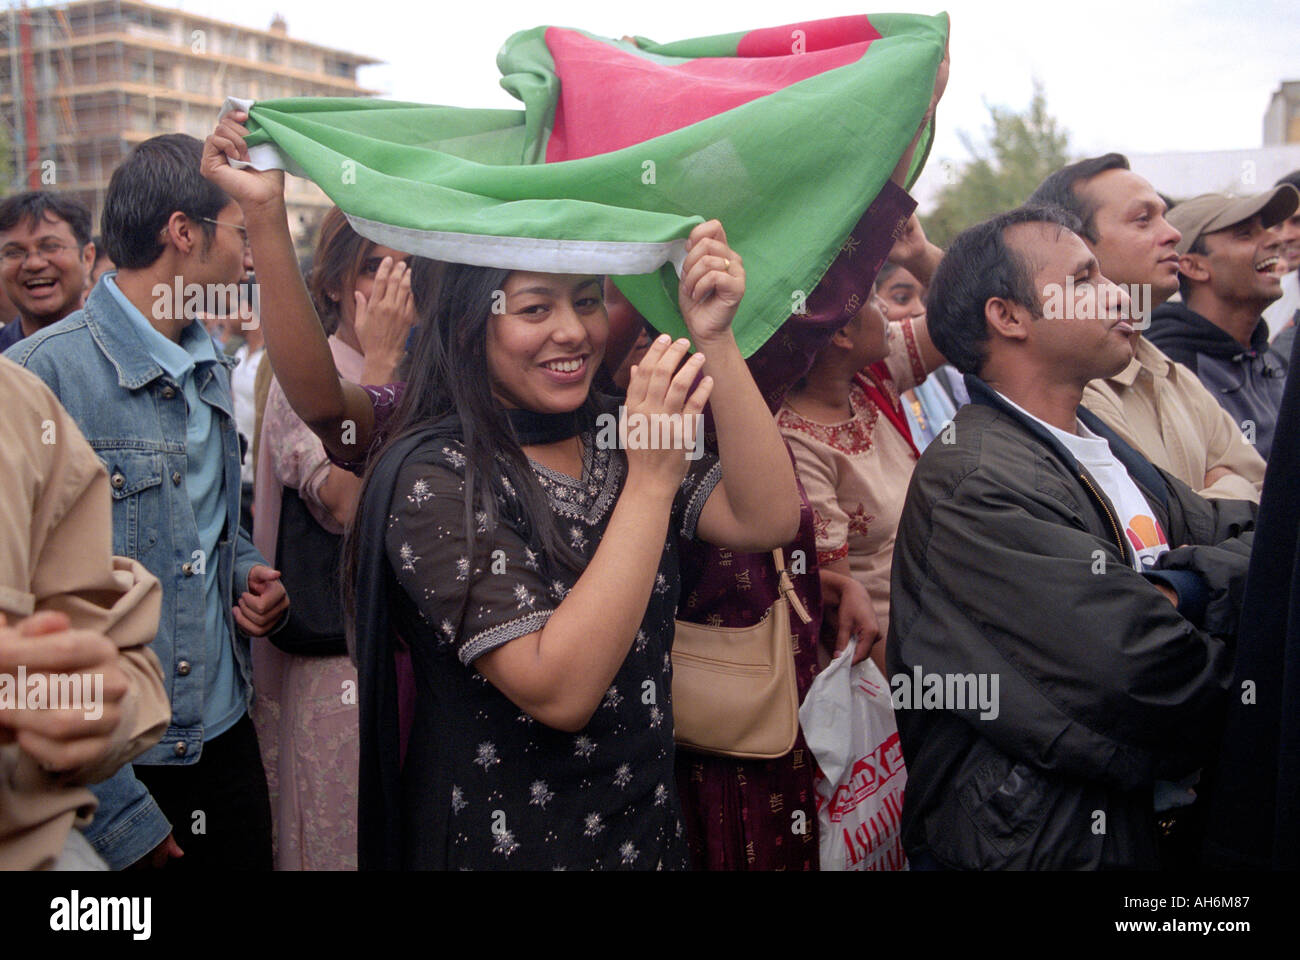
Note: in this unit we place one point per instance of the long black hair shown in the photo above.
(449, 383)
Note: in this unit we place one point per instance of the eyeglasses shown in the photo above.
(243, 231)
(47, 249)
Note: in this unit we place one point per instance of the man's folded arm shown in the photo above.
(1218, 535)
(1098, 675)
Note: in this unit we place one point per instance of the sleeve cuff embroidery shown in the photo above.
(700, 496)
(913, 351)
(830, 556)
(488, 640)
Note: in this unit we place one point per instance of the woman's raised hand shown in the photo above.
(661, 411)
(246, 186)
(712, 285)
(384, 321)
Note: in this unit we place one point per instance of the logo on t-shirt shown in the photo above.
(1147, 538)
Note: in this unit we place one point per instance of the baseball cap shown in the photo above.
(1218, 211)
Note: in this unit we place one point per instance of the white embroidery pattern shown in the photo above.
(700, 496)
(505, 844)
(487, 755)
(420, 492)
(591, 497)
(539, 795)
(494, 637)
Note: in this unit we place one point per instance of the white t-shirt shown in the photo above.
(1131, 509)
(242, 379)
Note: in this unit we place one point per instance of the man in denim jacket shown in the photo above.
(142, 380)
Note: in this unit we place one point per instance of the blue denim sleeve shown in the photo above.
(128, 823)
(246, 558)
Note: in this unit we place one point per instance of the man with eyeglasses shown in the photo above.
(45, 257)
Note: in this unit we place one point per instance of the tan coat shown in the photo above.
(1162, 409)
(56, 554)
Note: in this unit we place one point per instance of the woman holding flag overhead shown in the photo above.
(530, 566)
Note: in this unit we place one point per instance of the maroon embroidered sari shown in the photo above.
(744, 814)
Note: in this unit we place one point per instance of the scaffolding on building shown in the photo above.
(89, 79)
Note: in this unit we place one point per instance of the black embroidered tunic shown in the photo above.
(484, 785)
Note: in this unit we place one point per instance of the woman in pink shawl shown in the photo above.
(305, 706)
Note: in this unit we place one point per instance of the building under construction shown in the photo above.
(87, 80)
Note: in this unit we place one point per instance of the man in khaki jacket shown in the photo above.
(1158, 406)
(72, 618)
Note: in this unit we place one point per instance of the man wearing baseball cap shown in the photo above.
(1229, 271)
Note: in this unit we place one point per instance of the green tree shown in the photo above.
(1022, 149)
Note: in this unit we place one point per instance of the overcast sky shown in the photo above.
(1138, 76)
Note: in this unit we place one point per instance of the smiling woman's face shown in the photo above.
(545, 340)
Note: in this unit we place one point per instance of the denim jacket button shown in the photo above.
(176, 477)
(179, 749)
(187, 569)
(183, 668)
(118, 481)
(168, 392)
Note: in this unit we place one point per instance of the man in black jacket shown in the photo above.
(1040, 556)
(1230, 268)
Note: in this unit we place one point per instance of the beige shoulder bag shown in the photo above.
(734, 690)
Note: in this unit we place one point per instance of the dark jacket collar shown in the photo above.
(1139, 467)
(1178, 325)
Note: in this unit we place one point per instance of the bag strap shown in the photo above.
(786, 587)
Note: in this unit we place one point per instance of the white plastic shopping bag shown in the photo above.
(848, 723)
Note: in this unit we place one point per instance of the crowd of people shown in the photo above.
(366, 589)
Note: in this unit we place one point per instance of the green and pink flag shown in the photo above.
(784, 134)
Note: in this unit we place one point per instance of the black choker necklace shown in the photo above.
(534, 428)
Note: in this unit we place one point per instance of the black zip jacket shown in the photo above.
(1010, 561)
